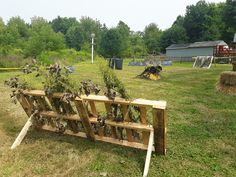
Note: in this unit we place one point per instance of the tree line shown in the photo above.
(201, 22)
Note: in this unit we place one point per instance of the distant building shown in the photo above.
(205, 48)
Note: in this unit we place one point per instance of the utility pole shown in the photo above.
(92, 36)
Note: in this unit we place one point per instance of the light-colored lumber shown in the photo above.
(23, 132)
(139, 102)
(125, 112)
(93, 108)
(113, 129)
(149, 153)
(55, 115)
(84, 118)
(25, 104)
(159, 126)
(129, 125)
(143, 117)
(98, 138)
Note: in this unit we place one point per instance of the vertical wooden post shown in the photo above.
(125, 112)
(93, 108)
(159, 126)
(143, 115)
(113, 129)
(84, 118)
(25, 103)
(95, 114)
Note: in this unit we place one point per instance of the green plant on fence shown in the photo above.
(114, 87)
(54, 79)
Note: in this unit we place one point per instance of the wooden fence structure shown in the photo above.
(84, 110)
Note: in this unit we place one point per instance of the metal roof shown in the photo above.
(197, 44)
(178, 46)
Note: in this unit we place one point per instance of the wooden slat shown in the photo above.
(23, 131)
(149, 153)
(24, 103)
(143, 117)
(98, 98)
(113, 129)
(53, 114)
(127, 119)
(138, 102)
(93, 108)
(129, 125)
(104, 139)
(95, 114)
(159, 126)
(85, 119)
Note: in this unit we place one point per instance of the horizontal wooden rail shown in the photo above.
(104, 139)
(130, 125)
(98, 98)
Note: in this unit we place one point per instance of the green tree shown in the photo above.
(2, 31)
(62, 24)
(16, 32)
(74, 38)
(174, 35)
(229, 19)
(111, 43)
(43, 38)
(202, 22)
(124, 31)
(179, 21)
(137, 46)
(80, 35)
(152, 35)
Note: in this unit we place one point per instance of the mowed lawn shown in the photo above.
(201, 130)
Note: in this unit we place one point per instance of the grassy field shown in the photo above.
(201, 131)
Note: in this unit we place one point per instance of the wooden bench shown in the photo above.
(84, 110)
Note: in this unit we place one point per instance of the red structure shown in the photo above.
(225, 51)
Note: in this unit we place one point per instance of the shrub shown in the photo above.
(66, 56)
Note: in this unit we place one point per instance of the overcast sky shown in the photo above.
(136, 13)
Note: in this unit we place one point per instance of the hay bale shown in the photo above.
(234, 65)
(226, 89)
(227, 83)
(228, 78)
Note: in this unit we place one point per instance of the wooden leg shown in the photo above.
(149, 153)
(23, 132)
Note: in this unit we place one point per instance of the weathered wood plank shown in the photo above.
(125, 112)
(98, 138)
(129, 125)
(53, 114)
(23, 132)
(113, 129)
(93, 108)
(24, 103)
(143, 117)
(98, 98)
(159, 126)
(84, 118)
(149, 153)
